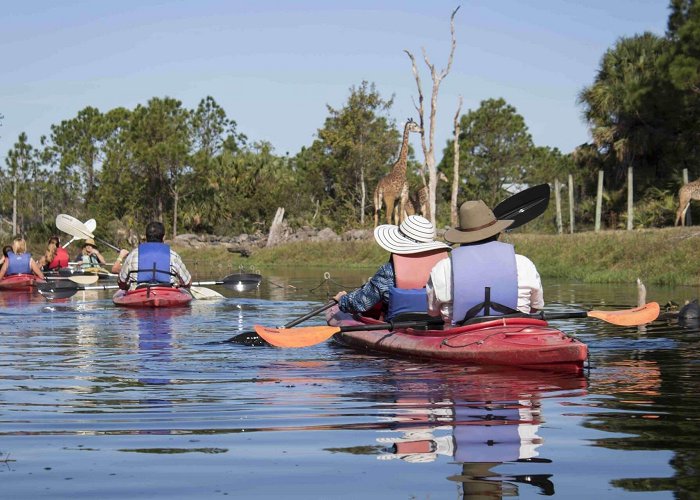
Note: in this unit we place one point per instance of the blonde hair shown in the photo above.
(49, 255)
(19, 245)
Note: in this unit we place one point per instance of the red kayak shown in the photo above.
(522, 342)
(152, 296)
(19, 282)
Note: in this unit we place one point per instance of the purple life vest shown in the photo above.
(19, 263)
(154, 263)
(478, 267)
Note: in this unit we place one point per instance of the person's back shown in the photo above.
(152, 262)
(19, 261)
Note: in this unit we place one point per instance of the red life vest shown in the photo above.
(411, 273)
(60, 260)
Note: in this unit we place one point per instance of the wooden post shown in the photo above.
(276, 229)
(557, 198)
(599, 201)
(630, 198)
(688, 219)
(571, 204)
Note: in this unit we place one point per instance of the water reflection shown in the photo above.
(479, 418)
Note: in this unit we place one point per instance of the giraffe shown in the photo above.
(686, 194)
(391, 188)
(419, 201)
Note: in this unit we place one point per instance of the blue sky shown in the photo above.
(275, 65)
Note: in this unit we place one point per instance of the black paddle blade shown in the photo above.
(58, 290)
(524, 206)
(242, 282)
(248, 338)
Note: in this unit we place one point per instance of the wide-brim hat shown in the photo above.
(476, 222)
(89, 241)
(415, 234)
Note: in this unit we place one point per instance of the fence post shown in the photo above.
(599, 201)
(688, 219)
(557, 198)
(571, 204)
(630, 198)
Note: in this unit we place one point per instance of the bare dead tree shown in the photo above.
(428, 144)
(455, 174)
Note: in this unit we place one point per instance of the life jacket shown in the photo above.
(19, 263)
(484, 281)
(153, 263)
(411, 273)
(60, 260)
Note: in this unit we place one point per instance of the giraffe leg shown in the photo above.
(389, 200)
(682, 209)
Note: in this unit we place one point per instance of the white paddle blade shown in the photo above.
(73, 226)
(91, 225)
(203, 293)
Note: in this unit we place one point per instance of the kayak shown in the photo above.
(152, 296)
(524, 342)
(19, 282)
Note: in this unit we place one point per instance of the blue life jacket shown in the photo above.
(484, 280)
(154, 263)
(411, 275)
(19, 263)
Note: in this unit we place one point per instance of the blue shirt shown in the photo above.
(374, 291)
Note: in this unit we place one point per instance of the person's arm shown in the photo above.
(530, 291)
(439, 290)
(124, 279)
(3, 269)
(36, 269)
(117, 266)
(96, 253)
(368, 295)
(178, 267)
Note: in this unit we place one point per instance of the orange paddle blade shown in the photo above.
(296, 337)
(629, 317)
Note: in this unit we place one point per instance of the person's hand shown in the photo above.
(339, 294)
(122, 254)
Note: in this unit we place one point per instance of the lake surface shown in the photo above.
(102, 402)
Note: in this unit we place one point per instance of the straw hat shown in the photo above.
(89, 241)
(415, 234)
(476, 222)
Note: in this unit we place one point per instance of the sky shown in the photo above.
(275, 66)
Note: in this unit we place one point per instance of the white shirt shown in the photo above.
(439, 288)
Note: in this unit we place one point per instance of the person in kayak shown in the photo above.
(483, 276)
(90, 257)
(5, 251)
(19, 261)
(151, 262)
(55, 257)
(399, 284)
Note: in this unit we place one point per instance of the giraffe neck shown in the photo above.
(400, 165)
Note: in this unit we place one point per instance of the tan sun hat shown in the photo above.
(415, 234)
(476, 222)
(89, 241)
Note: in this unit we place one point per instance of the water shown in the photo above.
(101, 402)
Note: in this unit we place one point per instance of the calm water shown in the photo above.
(100, 402)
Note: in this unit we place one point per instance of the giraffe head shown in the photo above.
(412, 126)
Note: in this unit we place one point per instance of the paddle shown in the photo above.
(252, 338)
(78, 230)
(308, 336)
(63, 289)
(524, 206)
(80, 279)
(90, 224)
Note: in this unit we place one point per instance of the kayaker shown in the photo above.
(399, 285)
(488, 277)
(90, 257)
(151, 262)
(5, 250)
(60, 256)
(19, 261)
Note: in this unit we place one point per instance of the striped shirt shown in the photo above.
(127, 274)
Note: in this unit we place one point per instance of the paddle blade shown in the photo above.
(73, 226)
(91, 225)
(84, 279)
(242, 282)
(629, 317)
(296, 337)
(524, 206)
(203, 293)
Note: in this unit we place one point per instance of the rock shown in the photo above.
(358, 234)
(326, 234)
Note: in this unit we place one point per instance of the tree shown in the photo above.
(22, 168)
(684, 32)
(495, 149)
(428, 144)
(354, 146)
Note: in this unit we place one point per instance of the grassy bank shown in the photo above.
(669, 256)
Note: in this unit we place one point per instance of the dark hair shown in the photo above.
(6, 249)
(55, 239)
(155, 232)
